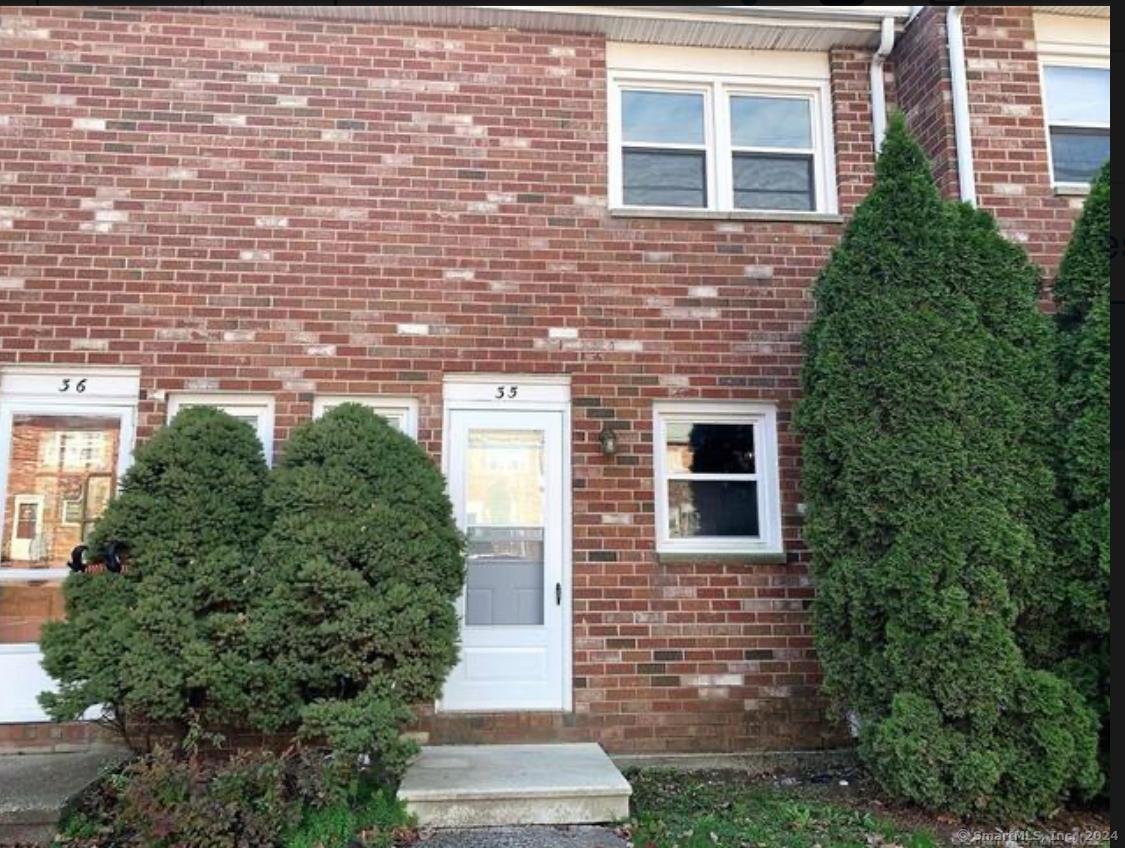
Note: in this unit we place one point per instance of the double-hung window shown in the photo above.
(400, 412)
(717, 479)
(255, 410)
(720, 144)
(1077, 104)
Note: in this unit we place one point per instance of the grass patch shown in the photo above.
(681, 810)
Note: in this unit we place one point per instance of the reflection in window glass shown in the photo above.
(661, 117)
(658, 178)
(505, 509)
(1078, 154)
(771, 122)
(26, 607)
(712, 508)
(710, 448)
(61, 475)
(774, 182)
(1078, 95)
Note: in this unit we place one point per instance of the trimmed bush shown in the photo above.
(161, 642)
(1082, 294)
(355, 584)
(928, 423)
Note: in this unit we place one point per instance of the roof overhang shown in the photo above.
(744, 27)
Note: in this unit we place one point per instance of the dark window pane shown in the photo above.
(771, 122)
(1078, 95)
(710, 448)
(665, 178)
(711, 508)
(660, 117)
(774, 182)
(1078, 154)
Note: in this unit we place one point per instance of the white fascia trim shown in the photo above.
(872, 17)
(966, 164)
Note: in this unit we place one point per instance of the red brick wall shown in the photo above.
(259, 205)
(1008, 122)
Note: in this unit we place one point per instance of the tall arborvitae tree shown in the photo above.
(161, 642)
(927, 413)
(1082, 294)
(353, 602)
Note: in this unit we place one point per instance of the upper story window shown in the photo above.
(684, 138)
(1077, 103)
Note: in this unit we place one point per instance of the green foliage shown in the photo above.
(355, 584)
(1082, 294)
(928, 424)
(318, 599)
(672, 809)
(376, 817)
(161, 641)
(253, 800)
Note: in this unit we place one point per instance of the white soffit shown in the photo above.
(1081, 11)
(743, 27)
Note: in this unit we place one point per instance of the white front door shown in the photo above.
(66, 437)
(507, 480)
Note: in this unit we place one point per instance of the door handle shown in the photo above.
(558, 594)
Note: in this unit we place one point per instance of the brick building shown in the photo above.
(569, 249)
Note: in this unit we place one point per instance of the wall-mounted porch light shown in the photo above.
(608, 440)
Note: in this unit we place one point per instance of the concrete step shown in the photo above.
(35, 787)
(506, 785)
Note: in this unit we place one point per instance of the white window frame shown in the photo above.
(400, 411)
(1068, 60)
(262, 407)
(763, 417)
(717, 91)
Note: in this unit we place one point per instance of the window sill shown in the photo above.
(714, 215)
(727, 558)
(1072, 190)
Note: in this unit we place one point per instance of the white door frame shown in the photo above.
(53, 390)
(525, 393)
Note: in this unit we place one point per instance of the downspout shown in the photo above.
(879, 82)
(966, 167)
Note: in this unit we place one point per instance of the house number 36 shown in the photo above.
(69, 385)
(507, 392)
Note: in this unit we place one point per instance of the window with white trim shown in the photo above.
(255, 410)
(720, 144)
(399, 412)
(1077, 99)
(717, 478)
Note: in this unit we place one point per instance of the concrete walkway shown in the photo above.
(34, 788)
(525, 837)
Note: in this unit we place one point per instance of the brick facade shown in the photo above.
(1008, 121)
(299, 207)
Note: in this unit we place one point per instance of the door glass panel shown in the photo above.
(61, 475)
(505, 514)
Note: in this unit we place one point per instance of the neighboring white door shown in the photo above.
(27, 527)
(507, 479)
(66, 436)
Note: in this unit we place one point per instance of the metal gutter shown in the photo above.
(962, 123)
(879, 81)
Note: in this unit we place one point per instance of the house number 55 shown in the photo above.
(507, 392)
(69, 385)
